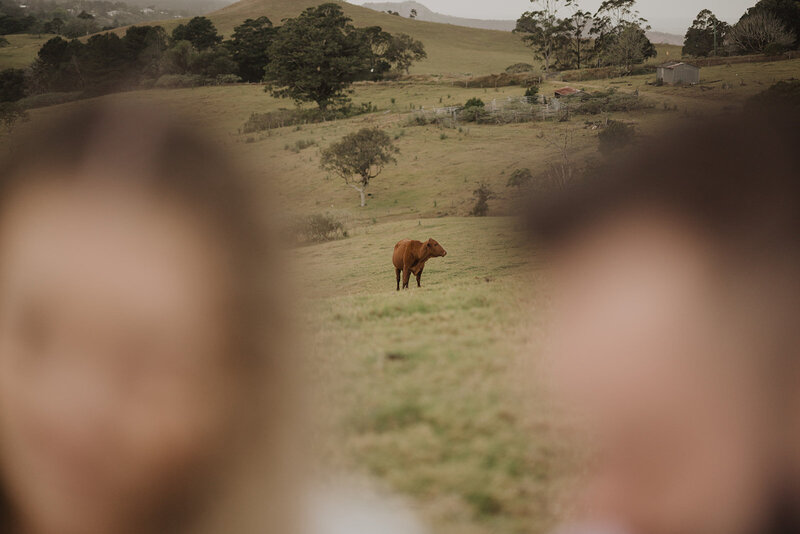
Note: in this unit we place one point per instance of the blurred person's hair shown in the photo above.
(160, 154)
(734, 181)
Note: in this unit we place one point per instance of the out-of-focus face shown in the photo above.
(662, 379)
(113, 385)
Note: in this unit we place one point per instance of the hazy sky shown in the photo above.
(664, 15)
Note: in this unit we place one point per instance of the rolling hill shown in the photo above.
(451, 49)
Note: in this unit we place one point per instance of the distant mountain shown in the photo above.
(423, 13)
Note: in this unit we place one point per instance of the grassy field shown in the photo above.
(423, 384)
(421, 389)
(21, 51)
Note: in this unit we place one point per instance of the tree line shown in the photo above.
(72, 18)
(564, 36)
(770, 27)
(314, 57)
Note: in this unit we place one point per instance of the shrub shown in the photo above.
(259, 122)
(520, 178)
(4, 42)
(532, 91)
(483, 194)
(319, 228)
(616, 136)
(475, 103)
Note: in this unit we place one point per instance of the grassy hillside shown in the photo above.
(451, 49)
(21, 51)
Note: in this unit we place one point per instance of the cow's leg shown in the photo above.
(398, 278)
(419, 277)
(406, 277)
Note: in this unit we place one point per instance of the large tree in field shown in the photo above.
(620, 35)
(316, 57)
(543, 30)
(249, 46)
(199, 31)
(706, 36)
(359, 158)
(758, 32)
(786, 11)
(403, 51)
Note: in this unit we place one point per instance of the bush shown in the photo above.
(475, 103)
(4, 42)
(520, 178)
(532, 91)
(319, 228)
(12, 85)
(259, 122)
(482, 197)
(616, 136)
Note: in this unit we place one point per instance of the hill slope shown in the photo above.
(423, 13)
(451, 49)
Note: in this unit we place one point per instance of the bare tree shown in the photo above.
(756, 32)
(561, 171)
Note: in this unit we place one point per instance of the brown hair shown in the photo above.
(737, 178)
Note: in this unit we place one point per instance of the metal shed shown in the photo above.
(678, 72)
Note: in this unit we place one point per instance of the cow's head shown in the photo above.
(435, 249)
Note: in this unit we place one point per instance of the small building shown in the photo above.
(677, 72)
(566, 91)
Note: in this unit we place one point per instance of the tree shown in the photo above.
(199, 31)
(10, 114)
(483, 194)
(249, 47)
(630, 47)
(12, 85)
(706, 35)
(404, 51)
(413, 14)
(316, 57)
(359, 158)
(578, 42)
(616, 20)
(616, 136)
(757, 32)
(379, 43)
(543, 30)
(144, 47)
(520, 178)
(787, 11)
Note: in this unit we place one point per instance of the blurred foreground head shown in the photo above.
(141, 365)
(674, 332)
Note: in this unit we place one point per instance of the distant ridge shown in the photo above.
(423, 13)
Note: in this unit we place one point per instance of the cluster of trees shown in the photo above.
(60, 18)
(770, 27)
(566, 37)
(314, 57)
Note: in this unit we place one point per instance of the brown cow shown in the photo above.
(410, 257)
